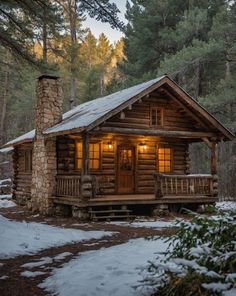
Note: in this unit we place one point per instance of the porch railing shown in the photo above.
(185, 185)
(68, 186)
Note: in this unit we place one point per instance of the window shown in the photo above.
(164, 159)
(156, 116)
(79, 153)
(28, 161)
(94, 155)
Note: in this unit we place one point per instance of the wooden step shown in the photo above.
(118, 217)
(109, 211)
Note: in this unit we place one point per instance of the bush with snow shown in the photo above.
(200, 259)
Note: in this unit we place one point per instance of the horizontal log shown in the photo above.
(164, 133)
(124, 124)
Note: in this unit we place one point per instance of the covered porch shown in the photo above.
(168, 189)
(131, 159)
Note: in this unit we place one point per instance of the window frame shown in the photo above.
(171, 158)
(161, 109)
(28, 161)
(99, 159)
(76, 157)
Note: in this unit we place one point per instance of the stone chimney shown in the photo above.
(44, 162)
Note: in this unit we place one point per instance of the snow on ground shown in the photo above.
(32, 273)
(43, 261)
(112, 271)
(4, 181)
(5, 196)
(6, 204)
(22, 238)
(146, 223)
(62, 256)
(226, 205)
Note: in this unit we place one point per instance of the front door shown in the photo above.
(125, 169)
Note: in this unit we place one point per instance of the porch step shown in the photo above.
(110, 213)
(114, 217)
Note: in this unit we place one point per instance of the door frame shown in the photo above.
(119, 147)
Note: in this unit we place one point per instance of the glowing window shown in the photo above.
(79, 153)
(164, 159)
(94, 155)
(156, 116)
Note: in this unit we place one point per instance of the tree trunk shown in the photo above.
(101, 83)
(197, 79)
(72, 11)
(4, 98)
(45, 48)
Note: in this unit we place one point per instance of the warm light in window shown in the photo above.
(94, 155)
(164, 160)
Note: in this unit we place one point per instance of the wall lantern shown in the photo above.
(108, 146)
(143, 146)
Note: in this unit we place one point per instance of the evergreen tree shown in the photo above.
(104, 54)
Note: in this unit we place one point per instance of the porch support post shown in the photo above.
(214, 160)
(85, 153)
(86, 179)
(212, 145)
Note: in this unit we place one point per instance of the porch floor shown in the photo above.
(134, 199)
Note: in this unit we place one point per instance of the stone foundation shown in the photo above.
(80, 213)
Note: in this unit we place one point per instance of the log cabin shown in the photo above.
(122, 153)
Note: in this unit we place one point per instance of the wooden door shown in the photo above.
(126, 169)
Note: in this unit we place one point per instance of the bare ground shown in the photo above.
(17, 285)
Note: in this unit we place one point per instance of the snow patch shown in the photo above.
(5, 196)
(6, 204)
(62, 256)
(41, 262)
(22, 238)
(216, 287)
(5, 181)
(33, 274)
(112, 271)
(146, 223)
(226, 205)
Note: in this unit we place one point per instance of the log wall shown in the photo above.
(175, 117)
(22, 180)
(145, 162)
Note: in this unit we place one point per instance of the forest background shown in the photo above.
(193, 41)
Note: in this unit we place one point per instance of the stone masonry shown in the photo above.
(44, 162)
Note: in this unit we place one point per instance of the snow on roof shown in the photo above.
(6, 150)
(28, 136)
(87, 113)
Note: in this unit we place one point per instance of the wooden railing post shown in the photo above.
(214, 190)
(85, 155)
(158, 187)
(185, 185)
(86, 179)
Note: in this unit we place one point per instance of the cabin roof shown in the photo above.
(88, 115)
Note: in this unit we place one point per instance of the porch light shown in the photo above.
(110, 144)
(143, 145)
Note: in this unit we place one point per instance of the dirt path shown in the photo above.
(17, 285)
